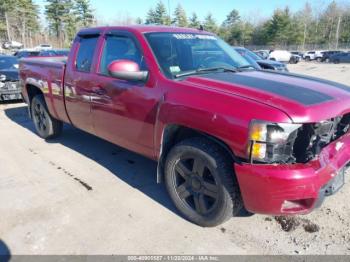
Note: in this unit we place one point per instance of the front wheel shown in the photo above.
(201, 182)
(46, 126)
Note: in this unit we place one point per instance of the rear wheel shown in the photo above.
(200, 180)
(308, 58)
(46, 126)
(327, 60)
(319, 59)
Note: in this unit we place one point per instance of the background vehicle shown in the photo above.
(298, 53)
(280, 56)
(294, 59)
(32, 53)
(340, 58)
(224, 135)
(313, 55)
(12, 45)
(9, 79)
(26, 53)
(264, 54)
(43, 47)
(326, 55)
(263, 63)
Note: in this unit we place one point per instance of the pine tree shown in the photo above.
(160, 15)
(279, 27)
(180, 18)
(58, 12)
(139, 21)
(150, 19)
(210, 24)
(83, 12)
(194, 22)
(232, 18)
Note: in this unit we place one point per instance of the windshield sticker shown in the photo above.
(193, 36)
(175, 69)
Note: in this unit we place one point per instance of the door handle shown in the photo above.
(99, 91)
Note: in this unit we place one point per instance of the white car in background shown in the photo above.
(280, 56)
(12, 45)
(313, 55)
(43, 47)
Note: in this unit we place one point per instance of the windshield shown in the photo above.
(180, 53)
(8, 63)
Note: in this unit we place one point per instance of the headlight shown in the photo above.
(2, 77)
(271, 142)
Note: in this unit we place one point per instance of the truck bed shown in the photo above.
(48, 74)
(56, 61)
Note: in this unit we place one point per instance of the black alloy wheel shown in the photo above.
(46, 126)
(200, 179)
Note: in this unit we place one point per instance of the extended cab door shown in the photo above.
(124, 112)
(79, 81)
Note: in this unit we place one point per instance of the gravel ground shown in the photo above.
(81, 195)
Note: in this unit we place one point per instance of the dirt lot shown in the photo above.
(81, 195)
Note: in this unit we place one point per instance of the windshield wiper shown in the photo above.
(207, 70)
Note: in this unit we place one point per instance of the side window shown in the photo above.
(118, 48)
(86, 53)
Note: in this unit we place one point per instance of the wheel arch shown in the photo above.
(32, 90)
(174, 133)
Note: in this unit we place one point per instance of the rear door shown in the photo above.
(79, 82)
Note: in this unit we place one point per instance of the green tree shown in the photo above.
(232, 18)
(83, 12)
(19, 20)
(180, 18)
(151, 16)
(194, 22)
(279, 27)
(160, 15)
(6, 6)
(58, 12)
(139, 21)
(210, 23)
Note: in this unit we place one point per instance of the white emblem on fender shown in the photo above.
(339, 145)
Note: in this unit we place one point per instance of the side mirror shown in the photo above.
(127, 70)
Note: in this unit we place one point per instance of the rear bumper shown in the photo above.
(294, 189)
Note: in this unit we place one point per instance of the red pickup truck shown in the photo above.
(226, 136)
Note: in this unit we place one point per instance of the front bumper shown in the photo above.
(10, 90)
(294, 188)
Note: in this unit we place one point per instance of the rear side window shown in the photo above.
(86, 53)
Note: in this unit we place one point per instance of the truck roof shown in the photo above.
(146, 29)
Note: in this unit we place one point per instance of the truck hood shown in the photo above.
(304, 99)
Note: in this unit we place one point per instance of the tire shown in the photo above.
(46, 126)
(327, 60)
(319, 59)
(200, 180)
(336, 61)
(308, 59)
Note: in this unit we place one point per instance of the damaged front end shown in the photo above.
(272, 143)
